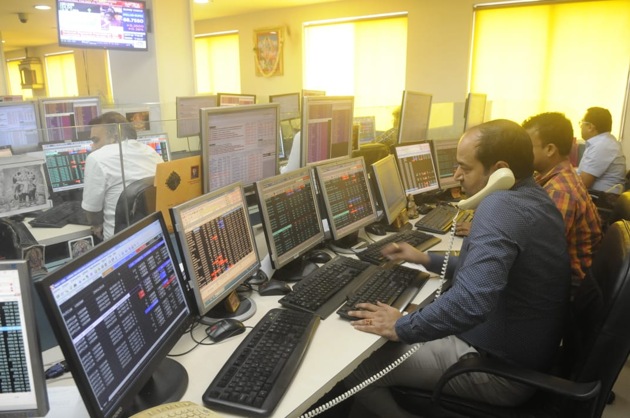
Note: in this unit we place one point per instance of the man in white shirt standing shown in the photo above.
(105, 170)
(603, 165)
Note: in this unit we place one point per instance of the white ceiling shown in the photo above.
(40, 29)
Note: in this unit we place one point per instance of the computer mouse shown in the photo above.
(376, 229)
(258, 278)
(423, 209)
(320, 257)
(274, 288)
(225, 328)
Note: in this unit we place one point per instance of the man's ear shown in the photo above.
(551, 149)
(501, 164)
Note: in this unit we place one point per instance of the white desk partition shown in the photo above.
(336, 350)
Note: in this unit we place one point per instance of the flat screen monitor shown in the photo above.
(239, 144)
(19, 126)
(291, 220)
(367, 128)
(22, 381)
(235, 99)
(159, 142)
(289, 105)
(475, 110)
(417, 169)
(445, 157)
(390, 190)
(117, 311)
(67, 118)
(106, 24)
(306, 92)
(415, 112)
(326, 127)
(23, 185)
(218, 249)
(187, 113)
(65, 164)
(347, 195)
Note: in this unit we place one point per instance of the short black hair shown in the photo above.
(600, 118)
(553, 128)
(505, 140)
(116, 125)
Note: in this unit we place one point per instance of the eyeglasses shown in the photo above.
(583, 122)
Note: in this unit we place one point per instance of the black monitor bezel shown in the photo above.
(63, 338)
(277, 260)
(195, 292)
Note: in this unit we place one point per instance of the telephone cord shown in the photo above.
(446, 257)
(361, 385)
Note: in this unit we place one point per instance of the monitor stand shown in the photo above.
(350, 244)
(246, 309)
(295, 270)
(168, 383)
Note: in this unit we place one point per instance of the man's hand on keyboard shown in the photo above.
(462, 229)
(402, 251)
(379, 319)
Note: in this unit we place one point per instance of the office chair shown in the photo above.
(621, 209)
(599, 352)
(135, 202)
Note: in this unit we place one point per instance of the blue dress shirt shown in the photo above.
(603, 158)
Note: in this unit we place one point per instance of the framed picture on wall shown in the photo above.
(268, 52)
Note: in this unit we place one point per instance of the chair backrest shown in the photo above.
(608, 350)
(621, 209)
(134, 203)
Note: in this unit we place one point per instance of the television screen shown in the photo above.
(107, 24)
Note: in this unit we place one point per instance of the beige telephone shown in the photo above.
(502, 179)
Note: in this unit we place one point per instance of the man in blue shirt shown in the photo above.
(509, 293)
(603, 165)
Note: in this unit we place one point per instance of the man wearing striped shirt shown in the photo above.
(552, 139)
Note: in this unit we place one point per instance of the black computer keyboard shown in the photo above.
(396, 286)
(422, 241)
(60, 215)
(256, 376)
(325, 289)
(440, 219)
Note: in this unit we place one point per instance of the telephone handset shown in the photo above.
(501, 179)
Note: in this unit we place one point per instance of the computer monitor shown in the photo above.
(117, 311)
(159, 142)
(239, 144)
(307, 92)
(367, 128)
(218, 250)
(67, 118)
(326, 127)
(22, 381)
(475, 110)
(390, 192)
(187, 113)
(417, 169)
(65, 164)
(445, 157)
(235, 99)
(19, 126)
(23, 185)
(289, 105)
(415, 112)
(291, 220)
(347, 195)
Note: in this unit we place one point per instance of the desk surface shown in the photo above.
(319, 372)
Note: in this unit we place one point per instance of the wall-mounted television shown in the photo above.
(106, 24)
